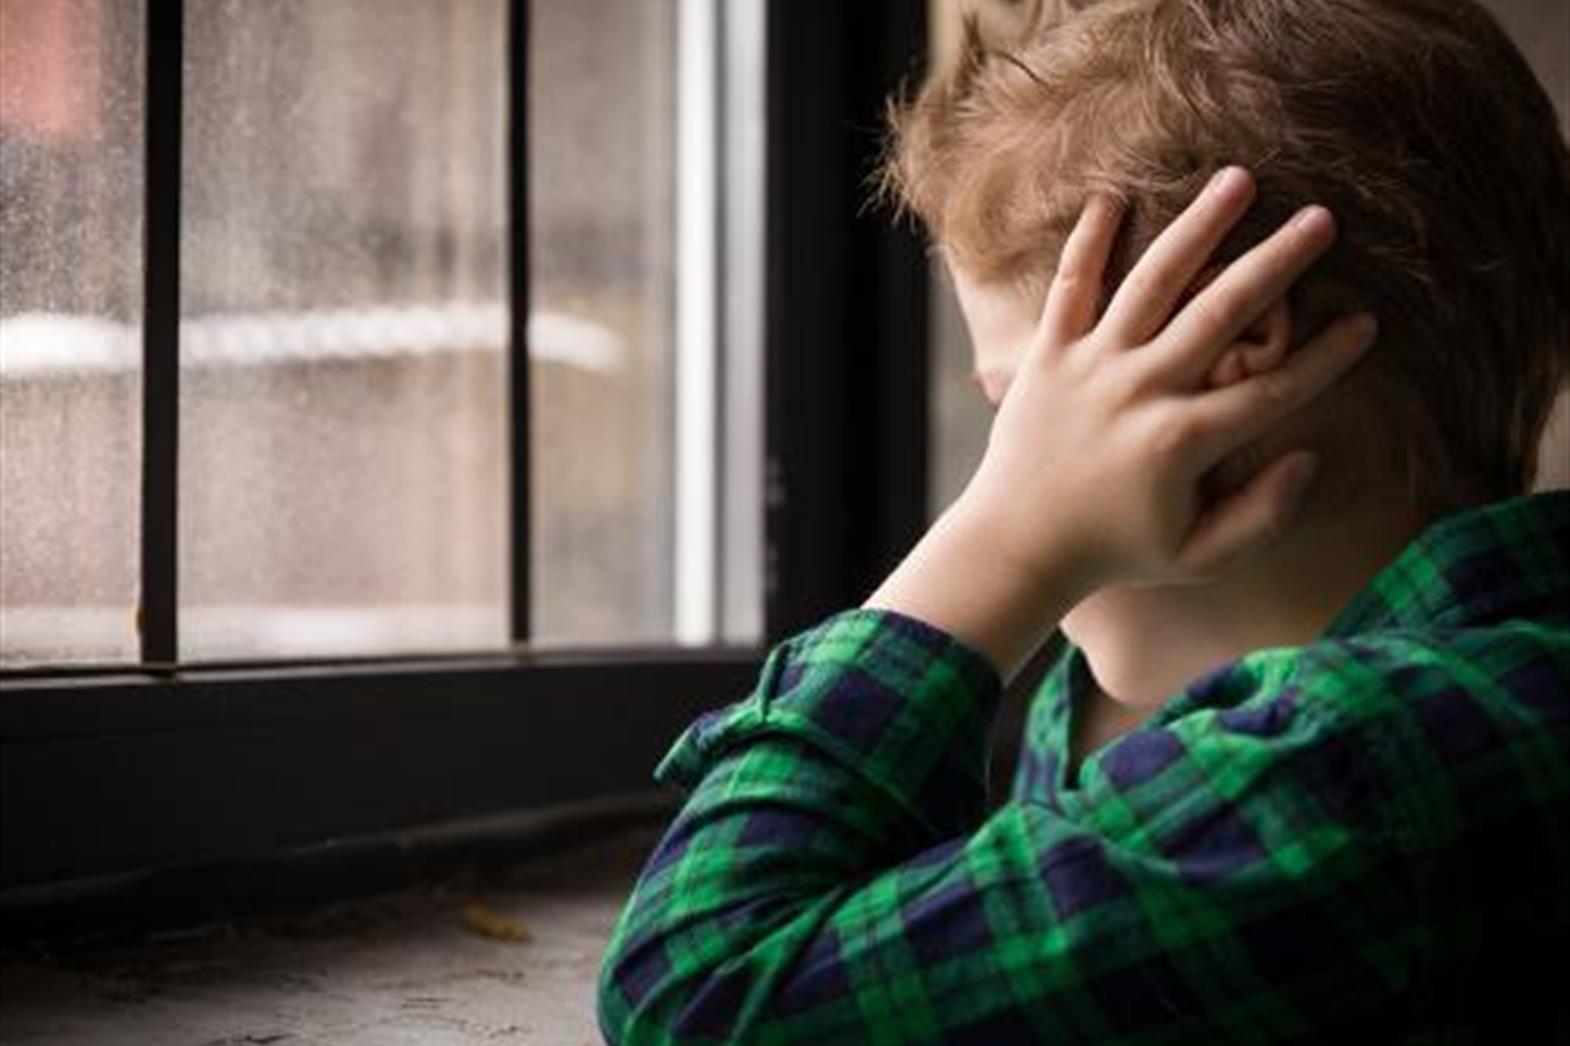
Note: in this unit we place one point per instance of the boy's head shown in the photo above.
(1416, 121)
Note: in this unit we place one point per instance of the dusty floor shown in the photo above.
(424, 966)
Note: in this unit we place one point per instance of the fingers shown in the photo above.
(1147, 296)
(1212, 321)
(1250, 519)
(1070, 309)
(1229, 417)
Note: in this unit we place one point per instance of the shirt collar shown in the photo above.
(1506, 559)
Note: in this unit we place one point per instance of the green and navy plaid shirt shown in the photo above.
(1362, 840)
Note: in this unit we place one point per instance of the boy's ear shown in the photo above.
(1260, 348)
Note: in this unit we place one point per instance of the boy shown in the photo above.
(1261, 449)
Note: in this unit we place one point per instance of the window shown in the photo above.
(344, 426)
(343, 329)
(70, 320)
(383, 464)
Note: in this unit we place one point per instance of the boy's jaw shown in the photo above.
(1145, 644)
(1130, 639)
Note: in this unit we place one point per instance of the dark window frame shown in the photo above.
(132, 771)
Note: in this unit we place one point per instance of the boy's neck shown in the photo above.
(1145, 645)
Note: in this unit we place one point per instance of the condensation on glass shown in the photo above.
(343, 455)
(71, 76)
(602, 181)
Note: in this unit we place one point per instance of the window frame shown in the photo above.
(111, 773)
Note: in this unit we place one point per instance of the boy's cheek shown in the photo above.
(1001, 320)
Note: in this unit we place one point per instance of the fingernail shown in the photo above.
(1227, 181)
(1364, 326)
(1311, 217)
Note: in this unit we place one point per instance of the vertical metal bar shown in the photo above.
(518, 346)
(158, 615)
(743, 185)
(697, 315)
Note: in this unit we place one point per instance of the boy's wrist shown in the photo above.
(1035, 561)
(967, 577)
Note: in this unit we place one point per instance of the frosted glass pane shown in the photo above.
(602, 264)
(343, 451)
(70, 337)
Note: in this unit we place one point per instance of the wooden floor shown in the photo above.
(432, 966)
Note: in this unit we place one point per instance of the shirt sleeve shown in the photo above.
(834, 876)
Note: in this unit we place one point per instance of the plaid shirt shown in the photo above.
(1365, 839)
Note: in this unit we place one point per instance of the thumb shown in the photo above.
(1250, 519)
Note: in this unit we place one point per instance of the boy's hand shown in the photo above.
(1091, 472)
